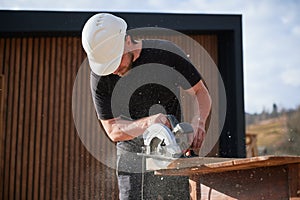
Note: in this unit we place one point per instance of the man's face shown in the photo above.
(125, 65)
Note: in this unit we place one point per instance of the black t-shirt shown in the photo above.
(151, 86)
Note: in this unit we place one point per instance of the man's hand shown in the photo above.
(199, 135)
(160, 118)
(196, 139)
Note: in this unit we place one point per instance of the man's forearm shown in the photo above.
(204, 106)
(120, 130)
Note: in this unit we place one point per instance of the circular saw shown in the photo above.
(162, 144)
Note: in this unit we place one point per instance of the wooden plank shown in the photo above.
(2, 135)
(60, 92)
(50, 183)
(27, 118)
(9, 69)
(14, 119)
(2, 55)
(39, 164)
(68, 115)
(23, 114)
(73, 135)
(197, 165)
(44, 118)
(81, 153)
(56, 184)
(78, 154)
(89, 127)
(85, 128)
(20, 63)
(2, 99)
(33, 153)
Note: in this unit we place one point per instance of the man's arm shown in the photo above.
(119, 129)
(204, 102)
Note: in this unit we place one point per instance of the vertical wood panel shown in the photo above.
(8, 117)
(87, 166)
(82, 159)
(2, 99)
(14, 124)
(56, 125)
(27, 118)
(2, 135)
(33, 154)
(2, 94)
(68, 114)
(61, 122)
(84, 125)
(39, 136)
(24, 118)
(78, 156)
(73, 70)
(2, 55)
(44, 116)
(20, 137)
(3, 51)
(51, 75)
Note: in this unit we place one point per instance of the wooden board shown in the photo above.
(197, 165)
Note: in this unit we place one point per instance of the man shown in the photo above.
(119, 63)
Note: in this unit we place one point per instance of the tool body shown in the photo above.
(162, 144)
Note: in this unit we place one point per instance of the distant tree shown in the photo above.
(274, 111)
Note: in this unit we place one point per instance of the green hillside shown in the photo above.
(273, 136)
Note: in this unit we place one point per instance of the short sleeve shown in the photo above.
(101, 95)
(189, 72)
(185, 67)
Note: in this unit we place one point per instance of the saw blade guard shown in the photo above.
(159, 140)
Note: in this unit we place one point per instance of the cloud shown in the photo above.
(296, 31)
(291, 77)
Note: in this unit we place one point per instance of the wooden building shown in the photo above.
(41, 154)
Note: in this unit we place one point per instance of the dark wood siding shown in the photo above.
(42, 156)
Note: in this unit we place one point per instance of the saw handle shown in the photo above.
(173, 121)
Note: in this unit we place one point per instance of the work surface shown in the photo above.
(265, 177)
(204, 165)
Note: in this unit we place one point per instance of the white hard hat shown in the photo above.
(103, 38)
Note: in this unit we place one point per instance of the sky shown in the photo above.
(271, 39)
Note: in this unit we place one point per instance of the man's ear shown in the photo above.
(128, 40)
(128, 44)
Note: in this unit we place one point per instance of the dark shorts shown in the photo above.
(133, 184)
